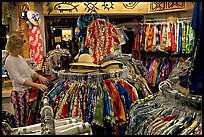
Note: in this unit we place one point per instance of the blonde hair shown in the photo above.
(14, 41)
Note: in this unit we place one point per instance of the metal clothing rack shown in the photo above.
(47, 118)
(164, 20)
(168, 89)
(92, 77)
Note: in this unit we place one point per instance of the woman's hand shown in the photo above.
(44, 80)
(42, 87)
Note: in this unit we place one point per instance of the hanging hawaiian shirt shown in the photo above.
(103, 38)
(173, 37)
(158, 37)
(36, 45)
(84, 20)
(184, 29)
(164, 36)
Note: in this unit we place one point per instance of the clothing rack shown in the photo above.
(92, 77)
(168, 89)
(154, 20)
(47, 118)
(164, 20)
(186, 18)
(163, 116)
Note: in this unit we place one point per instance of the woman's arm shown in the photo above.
(42, 87)
(40, 77)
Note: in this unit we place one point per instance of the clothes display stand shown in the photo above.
(98, 98)
(170, 112)
(47, 118)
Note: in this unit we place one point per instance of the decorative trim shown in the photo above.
(66, 6)
(166, 6)
(108, 5)
(130, 5)
(91, 7)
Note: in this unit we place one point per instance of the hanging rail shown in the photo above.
(123, 73)
(155, 20)
(168, 89)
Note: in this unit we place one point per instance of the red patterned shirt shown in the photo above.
(103, 38)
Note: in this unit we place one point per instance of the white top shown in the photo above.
(18, 71)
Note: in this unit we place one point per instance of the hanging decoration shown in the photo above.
(91, 7)
(108, 5)
(130, 5)
(36, 48)
(35, 38)
(66, 6)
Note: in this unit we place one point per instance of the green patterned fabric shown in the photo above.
(99, 113)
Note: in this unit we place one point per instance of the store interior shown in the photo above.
(114, 68)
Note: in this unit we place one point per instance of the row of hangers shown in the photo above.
(168, 89)
(188, 19)
(91, 77)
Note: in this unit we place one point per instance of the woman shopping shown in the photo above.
(22, 77)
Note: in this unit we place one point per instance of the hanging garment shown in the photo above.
(103, 38)
(136, 45)
(184, 29)
(131, 90)
(179, 47)
(158, 36)
(118, 107)
(83, 21)
(158, 61)
(147, 40)
(36, 45)
(164, 36)
(154, 37)
(173, 38)
(145, 26)
(191, 37)
(151, 37)
(141, 47)
(168, 40)
(99, 114)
